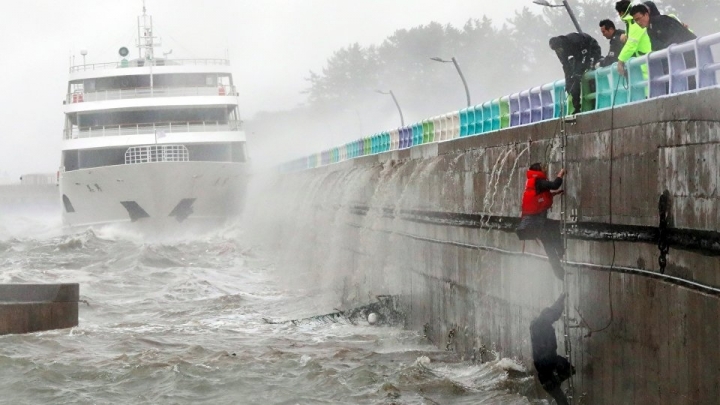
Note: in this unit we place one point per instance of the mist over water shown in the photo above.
(182, 322)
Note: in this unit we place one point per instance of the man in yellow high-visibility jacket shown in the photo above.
(637, 42)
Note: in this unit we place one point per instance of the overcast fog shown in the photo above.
(273, 45)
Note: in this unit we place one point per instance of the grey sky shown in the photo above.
(272, 45)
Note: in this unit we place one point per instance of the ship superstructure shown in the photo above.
(151, 140)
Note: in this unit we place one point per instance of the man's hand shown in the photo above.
(561, 173)
(621, 68)
(557, 192)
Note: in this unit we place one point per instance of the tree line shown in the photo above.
(497, 59)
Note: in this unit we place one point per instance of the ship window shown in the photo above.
(211, 80)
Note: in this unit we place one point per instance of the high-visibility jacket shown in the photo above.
(534, 203)
(638, 41)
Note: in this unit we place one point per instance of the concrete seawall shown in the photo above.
(26, 308)
(434, 224)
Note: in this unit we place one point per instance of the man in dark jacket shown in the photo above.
(664, 31)
(578, 53)
(534, 224)
(552, 369)
(607, 29)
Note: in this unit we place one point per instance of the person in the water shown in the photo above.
(551, 369)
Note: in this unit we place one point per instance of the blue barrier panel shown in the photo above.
(708, 68)
(536, 104)
(417, 134)
(680, 73)
(407, 138)
(548, 105)
(487, 116)
(525, 107)
(478, 122)
(471, 121)
(560, 99)
(495, 107)
(609, 88)
(638, 83)
(515, 109)
(463, 122)
(659, 77)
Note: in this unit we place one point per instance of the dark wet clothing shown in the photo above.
(665, 31)
(652, 7)
(547, 230)
(616, 45)
(552, 369)
(578, 53)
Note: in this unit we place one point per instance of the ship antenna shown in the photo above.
(146, 37)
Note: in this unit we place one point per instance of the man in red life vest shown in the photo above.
(534, 224)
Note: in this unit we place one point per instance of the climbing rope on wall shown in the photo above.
(563, 259)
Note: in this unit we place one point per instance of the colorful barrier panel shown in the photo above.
(669, 71)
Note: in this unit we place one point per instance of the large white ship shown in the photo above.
(153, 141)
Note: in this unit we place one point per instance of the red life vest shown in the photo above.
(533, 202)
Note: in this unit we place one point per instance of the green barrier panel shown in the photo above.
(504, 106)
(638, 78)
(587, 91)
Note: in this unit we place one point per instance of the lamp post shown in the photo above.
(402, 120)
(462, 77)
(567, 7)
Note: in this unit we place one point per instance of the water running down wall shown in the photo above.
(430, 224)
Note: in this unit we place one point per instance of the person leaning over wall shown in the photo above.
(664, 31)
(614, 36)
(637, 42)
(578, 53)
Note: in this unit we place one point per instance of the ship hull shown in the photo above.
(160, 196)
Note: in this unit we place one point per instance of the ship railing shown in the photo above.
(147, 92)
(156, 153)
(157, 128)
(142, 63)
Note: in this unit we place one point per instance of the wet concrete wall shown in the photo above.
(28, 308)
(434, 224)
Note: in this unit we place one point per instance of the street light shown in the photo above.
(402, 120)
(462, 77)
(567, 7)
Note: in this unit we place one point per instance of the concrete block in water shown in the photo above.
(26, 308)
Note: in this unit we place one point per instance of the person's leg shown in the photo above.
(559, 396)
(573, 89)
(553, 245)
(564, 369)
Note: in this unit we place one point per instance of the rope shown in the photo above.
(563, 259)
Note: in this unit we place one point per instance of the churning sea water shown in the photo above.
(183, 322)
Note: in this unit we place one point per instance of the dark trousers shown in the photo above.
(551, 373)
(548, 231)
(573, 87)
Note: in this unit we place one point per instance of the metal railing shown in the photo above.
(152, 128)
(669, 73)
(146, 92)
(143, 63)
(156, 153)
